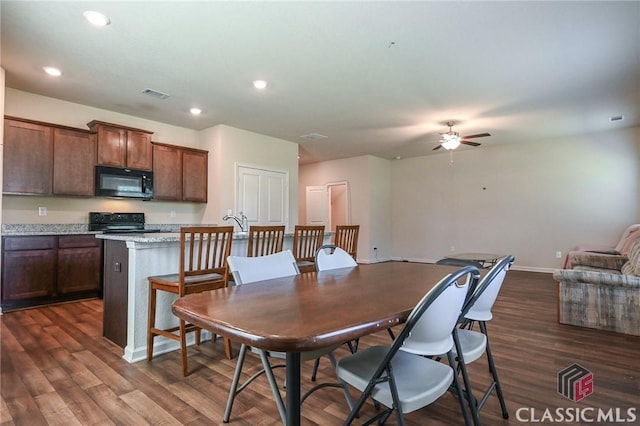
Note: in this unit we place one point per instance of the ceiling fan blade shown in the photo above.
(470, 143)
(437, 147)
(479, 135)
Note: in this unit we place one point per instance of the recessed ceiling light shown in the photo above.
(260, 84)
(96, 18)
(52, 71)
(195, 111)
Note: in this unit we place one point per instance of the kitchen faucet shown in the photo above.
(241, 221)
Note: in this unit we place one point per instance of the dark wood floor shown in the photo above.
(57, 369)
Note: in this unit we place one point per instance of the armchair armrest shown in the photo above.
(595, 260)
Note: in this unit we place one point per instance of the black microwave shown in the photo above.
(122, 182)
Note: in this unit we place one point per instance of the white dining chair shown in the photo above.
(247, 270)
(401, 376)
(330, 256)
(473, 344)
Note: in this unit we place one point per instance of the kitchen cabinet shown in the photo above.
(38, 270)
(180, 174)
(28, 150)
(74, 161)
(45, 159)
(121, 146)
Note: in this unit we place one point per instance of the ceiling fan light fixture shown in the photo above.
(450, 141)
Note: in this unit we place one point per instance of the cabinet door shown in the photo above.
(74, 160)
(28, 268)
(167, 176)
(112, 146)
(79, 260)
(263, 195)
(139, 150)
(194, 176)
(28, 153)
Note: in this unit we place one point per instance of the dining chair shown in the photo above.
(346, 237)
(264, 240)
(247, 270)
(472, 344)
(307, 240)
(202, 267)
(329, 256)
(401, 376)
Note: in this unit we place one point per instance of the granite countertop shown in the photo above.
(11, 230)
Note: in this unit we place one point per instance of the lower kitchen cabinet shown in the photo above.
(39, 270)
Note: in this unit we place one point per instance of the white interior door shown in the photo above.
(263, 195)
(316, 205)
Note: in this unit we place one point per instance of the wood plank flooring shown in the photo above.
(56, 369)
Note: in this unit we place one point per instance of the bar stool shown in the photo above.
(307, 240)
(264, 240)
(346, 238)
(203, 266)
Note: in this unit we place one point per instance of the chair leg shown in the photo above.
(468, 392)
(494, 373)
(316, 364)
(183, 348)
(228, 350)
(458, 389)
(274, 386)
(152, 322)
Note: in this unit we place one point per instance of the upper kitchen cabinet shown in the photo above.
(28, 150)
(41, 158)
(179, 174)
(121, 146)
(74, 160)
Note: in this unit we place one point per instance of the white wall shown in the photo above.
(228, 147)
(369, 180)
(529, 200)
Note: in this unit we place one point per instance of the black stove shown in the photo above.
(118, 223)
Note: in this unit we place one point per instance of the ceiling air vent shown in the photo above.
(616, 118)
(314, 137)
(155, 94)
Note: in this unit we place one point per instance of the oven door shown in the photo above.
(123, 183)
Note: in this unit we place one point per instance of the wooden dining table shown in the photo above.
(312, 311)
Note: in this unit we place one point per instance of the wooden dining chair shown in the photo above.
(202, 266)
(346, 237)
(307, 240)
(264, 240)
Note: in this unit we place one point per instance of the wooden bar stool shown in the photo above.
(264, 240)
(346, 238)
(203, 266)
(307, 240)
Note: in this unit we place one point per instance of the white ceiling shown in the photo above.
(377, 78)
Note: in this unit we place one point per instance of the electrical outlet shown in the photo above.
(452, 249)
(559, 255)
(173, 213)
(42, 211)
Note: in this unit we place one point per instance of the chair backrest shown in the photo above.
(246, 270)
(479, 305)
(307, 240)
(264, 240)
(346, 237)
(204, 252)
(438, 313)
(331, 257)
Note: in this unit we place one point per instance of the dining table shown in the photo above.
(312, 311)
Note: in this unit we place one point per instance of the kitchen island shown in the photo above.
(128, 260)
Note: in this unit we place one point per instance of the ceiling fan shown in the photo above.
(451, 140)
